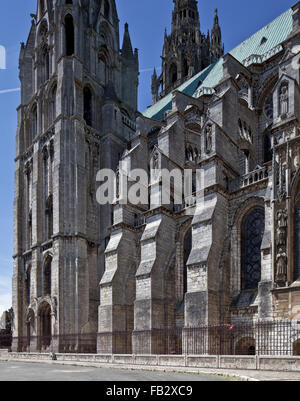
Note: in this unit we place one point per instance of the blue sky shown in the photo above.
(147, 21)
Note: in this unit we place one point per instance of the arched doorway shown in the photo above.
(245, 346)
(296, 348)
(45, 331)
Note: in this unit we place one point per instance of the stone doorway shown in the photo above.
(245, 346)
(45, 331)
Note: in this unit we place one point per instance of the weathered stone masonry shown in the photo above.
(228, 254)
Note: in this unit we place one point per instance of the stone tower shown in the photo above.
(216, 47)
(186, 50)
(78, 101)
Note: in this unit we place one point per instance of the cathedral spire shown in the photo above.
(217, 49)
(186, 50)
(127, 46)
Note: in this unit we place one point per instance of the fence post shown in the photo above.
(257, 362)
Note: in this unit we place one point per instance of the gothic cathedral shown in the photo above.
(112, 278)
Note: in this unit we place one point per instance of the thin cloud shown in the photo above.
(150, 69)
(2, 91)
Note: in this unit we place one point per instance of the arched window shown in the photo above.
(69, 35)
(252, 235)
(49, 217)
(173, 74)
(29, 229)
(52, 105)
(267, 148)
(104, 64)
(47, 276)
(87, 106)
(33, 124)
(46, 63)
(28, 285)
(186, 253)
(106, 9)
(185, 68)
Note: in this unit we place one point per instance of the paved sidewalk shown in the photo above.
(247, 375)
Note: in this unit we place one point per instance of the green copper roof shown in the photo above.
(189, 87)
(263, 45)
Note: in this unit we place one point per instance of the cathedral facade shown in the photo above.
(227, 254)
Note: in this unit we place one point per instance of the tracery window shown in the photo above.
(252, 235)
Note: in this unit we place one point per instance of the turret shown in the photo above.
(216, 47)
(186, 51)
(130, 71)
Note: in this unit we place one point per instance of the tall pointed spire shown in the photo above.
(186, 50)
(217, 49)
(127, 46)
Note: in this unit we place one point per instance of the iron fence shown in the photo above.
(259, 338)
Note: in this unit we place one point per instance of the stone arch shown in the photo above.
(242, 209)
(106, 35)
(44, 326)
(245, 346)
(266, 88)
(105, 63)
